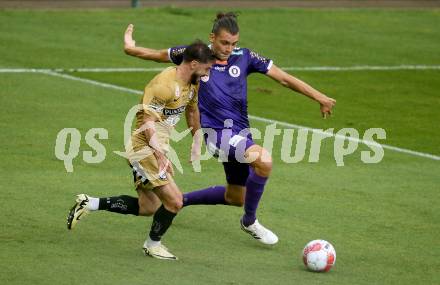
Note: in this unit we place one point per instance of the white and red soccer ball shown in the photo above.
(319, 255)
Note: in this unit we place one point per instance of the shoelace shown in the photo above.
(259, 229)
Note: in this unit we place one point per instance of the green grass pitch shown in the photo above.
(383, 219)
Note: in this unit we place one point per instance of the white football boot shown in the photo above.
(257, 231)
(78, 210)
(158, 251)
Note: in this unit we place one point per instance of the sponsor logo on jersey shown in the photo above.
(258, 57)
(177, 52)
(170, 112)
(220, 68)
(237, 51)
(234, 71)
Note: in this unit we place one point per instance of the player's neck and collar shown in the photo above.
(221, 62)
(183, 74)
(218, 61)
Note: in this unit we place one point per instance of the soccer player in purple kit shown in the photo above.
(223, 108)
(224, 120)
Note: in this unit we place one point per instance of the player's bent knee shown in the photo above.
(266, 157)
(174, 204)
(178, 204)
(263, 165)
(263, 168)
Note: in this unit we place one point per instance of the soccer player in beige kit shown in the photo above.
(166, 97)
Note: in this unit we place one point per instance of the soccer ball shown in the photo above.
(319, 255)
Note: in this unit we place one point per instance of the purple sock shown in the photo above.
(209, 196)
(254, 190)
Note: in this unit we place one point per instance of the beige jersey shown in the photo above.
(165, 98)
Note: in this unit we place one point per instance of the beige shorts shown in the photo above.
(146, 174)
(144, 163)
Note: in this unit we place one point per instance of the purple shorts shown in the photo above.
(230, 147)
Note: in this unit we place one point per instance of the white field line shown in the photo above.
(256, 118)
(93, 82)
(363, 67)
(390, 147)
(155, 69)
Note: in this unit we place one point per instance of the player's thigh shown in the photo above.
(148, 202)
(170, 196)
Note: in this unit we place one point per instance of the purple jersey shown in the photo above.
(223, 94)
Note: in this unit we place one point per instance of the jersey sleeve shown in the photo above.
(155, 98)
(258, 63)
(176, 54)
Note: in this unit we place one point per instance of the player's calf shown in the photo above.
(123, 204)
(235, 194)
(148, 203)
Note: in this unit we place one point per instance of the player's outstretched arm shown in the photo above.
(130, 48)
(289, 81)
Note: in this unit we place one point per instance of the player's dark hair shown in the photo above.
(199, 51)
(225, 21)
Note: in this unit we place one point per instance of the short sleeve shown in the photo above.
(155, 98)
(176, 54)
(258, 63)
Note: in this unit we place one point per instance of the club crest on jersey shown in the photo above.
(234, 71)
(163, 175)
(205, 78)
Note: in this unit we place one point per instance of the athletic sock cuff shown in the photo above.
(254, 177)
(167, 214)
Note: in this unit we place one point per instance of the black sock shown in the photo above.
(161, 222)
(120, 204)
